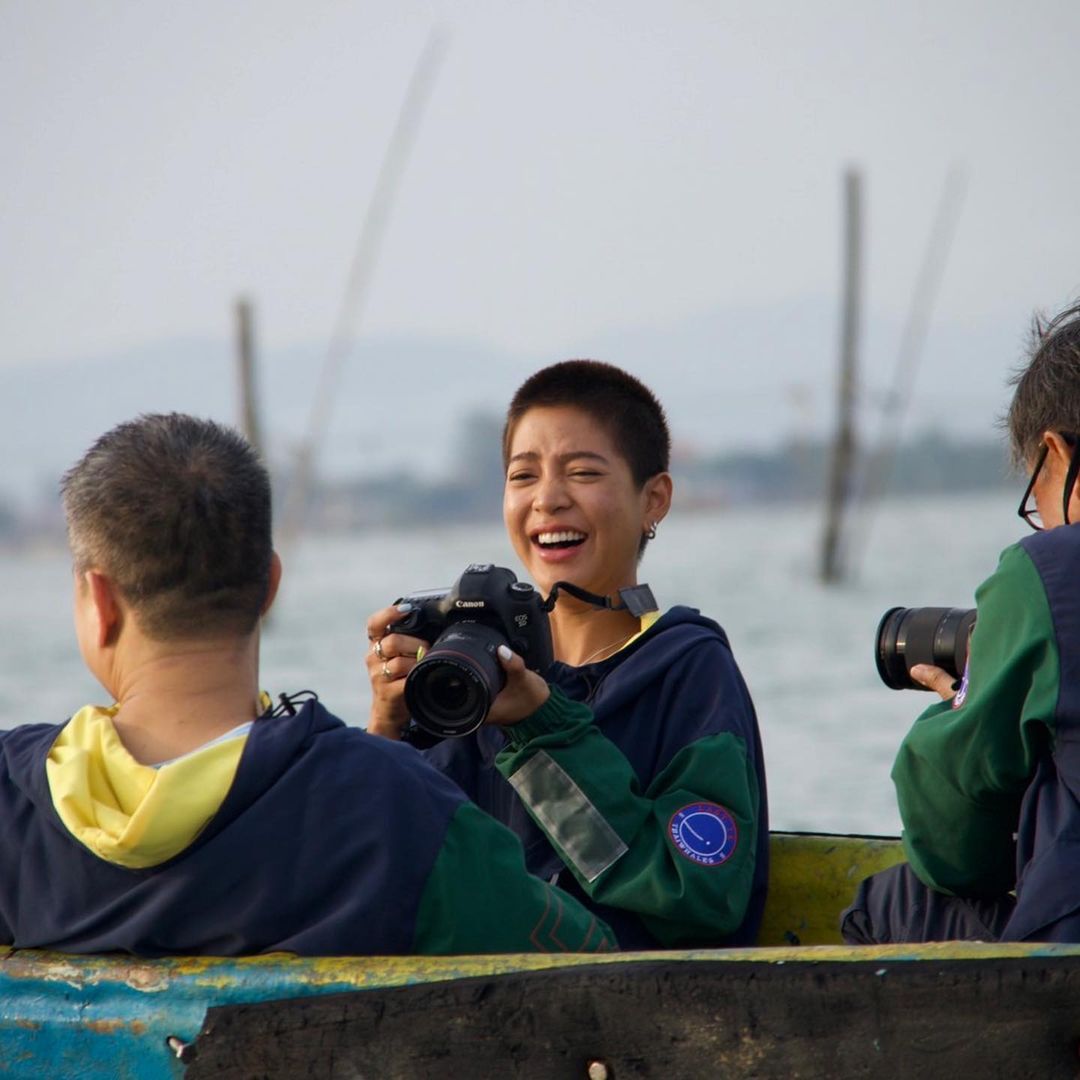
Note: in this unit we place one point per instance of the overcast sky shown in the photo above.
(582, 167)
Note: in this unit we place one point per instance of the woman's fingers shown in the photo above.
(393, 668)
(394, 645)
(380, 623)
(390, 657)
(524, 693)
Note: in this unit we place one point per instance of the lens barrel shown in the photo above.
(930, 635)
(450, 691)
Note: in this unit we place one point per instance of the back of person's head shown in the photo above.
(624, 406)
(1047, 394)
(176, 512)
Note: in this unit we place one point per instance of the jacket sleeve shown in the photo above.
(962, 770)
(681, 853)
(479, 898)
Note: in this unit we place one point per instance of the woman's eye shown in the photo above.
(585, 473)
(518, 477)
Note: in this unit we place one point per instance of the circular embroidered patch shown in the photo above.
(704, 833)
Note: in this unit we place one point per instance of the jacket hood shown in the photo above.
(137, 816)
(125, 812)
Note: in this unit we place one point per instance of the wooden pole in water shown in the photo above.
(245, 368)
(843, 456)
(354, 300)
(879, 462)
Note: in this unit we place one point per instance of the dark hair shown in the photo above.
(1047, 394)
(176, 511)
(623, 405)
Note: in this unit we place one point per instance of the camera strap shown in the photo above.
(637, 599)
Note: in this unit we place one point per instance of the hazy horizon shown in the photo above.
(659, 189)
(731, 380)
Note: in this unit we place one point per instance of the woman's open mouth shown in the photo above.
(558, 543)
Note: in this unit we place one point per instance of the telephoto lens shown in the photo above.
(451, 689)
(929, 635)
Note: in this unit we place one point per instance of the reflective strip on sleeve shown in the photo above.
(568, 817)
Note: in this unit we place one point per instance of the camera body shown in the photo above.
(930, 635)
(450, 690)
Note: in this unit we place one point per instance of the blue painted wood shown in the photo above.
(91, 1017)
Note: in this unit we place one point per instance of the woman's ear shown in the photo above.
(657, 492)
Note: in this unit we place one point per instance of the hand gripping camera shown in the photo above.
(450, 691)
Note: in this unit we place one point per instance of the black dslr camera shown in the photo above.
(929, 635)
(450, 691)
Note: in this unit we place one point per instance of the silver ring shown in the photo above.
(378, 650)
(387, 674)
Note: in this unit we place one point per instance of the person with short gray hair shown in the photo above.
(988, 779)
(194, 814)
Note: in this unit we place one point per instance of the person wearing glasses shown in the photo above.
(988, 779)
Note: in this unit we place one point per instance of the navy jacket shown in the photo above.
(673, 690)
(278, 867)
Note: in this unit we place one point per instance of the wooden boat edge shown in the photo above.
(97, 1012)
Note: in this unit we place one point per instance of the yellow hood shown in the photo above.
(128, 813)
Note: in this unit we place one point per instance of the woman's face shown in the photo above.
(571, 507)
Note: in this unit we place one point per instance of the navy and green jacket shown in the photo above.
(989, 784)
(639, 785)
(329, 841)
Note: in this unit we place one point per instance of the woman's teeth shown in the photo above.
(564, 538)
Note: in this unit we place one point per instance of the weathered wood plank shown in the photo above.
(1007, 1018)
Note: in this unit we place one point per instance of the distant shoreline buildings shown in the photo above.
(795, 471)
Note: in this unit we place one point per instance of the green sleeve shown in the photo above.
(962, 770)
(479, 898)
(618, 840)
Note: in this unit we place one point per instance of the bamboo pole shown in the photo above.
(354, 298)
(844, 448)
(879, 465)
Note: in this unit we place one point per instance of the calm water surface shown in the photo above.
(830, 727)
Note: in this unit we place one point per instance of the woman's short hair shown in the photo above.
(176, 511)
(1047, 396)
(623, 405)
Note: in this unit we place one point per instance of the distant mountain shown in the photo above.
(730, 379)
(397, 407)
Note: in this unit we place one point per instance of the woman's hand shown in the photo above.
(390, 658)
(936, 679)
(523, 694)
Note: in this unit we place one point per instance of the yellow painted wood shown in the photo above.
(812, 878)
(280, 975)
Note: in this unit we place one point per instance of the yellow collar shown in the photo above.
(128, 813)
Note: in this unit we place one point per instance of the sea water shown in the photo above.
(829, 726)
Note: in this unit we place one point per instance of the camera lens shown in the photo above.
(450, 691)
(930, 635)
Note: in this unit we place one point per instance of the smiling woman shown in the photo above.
(575, 512)
(631, 768)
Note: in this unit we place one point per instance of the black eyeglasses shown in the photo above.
(1031, 516)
